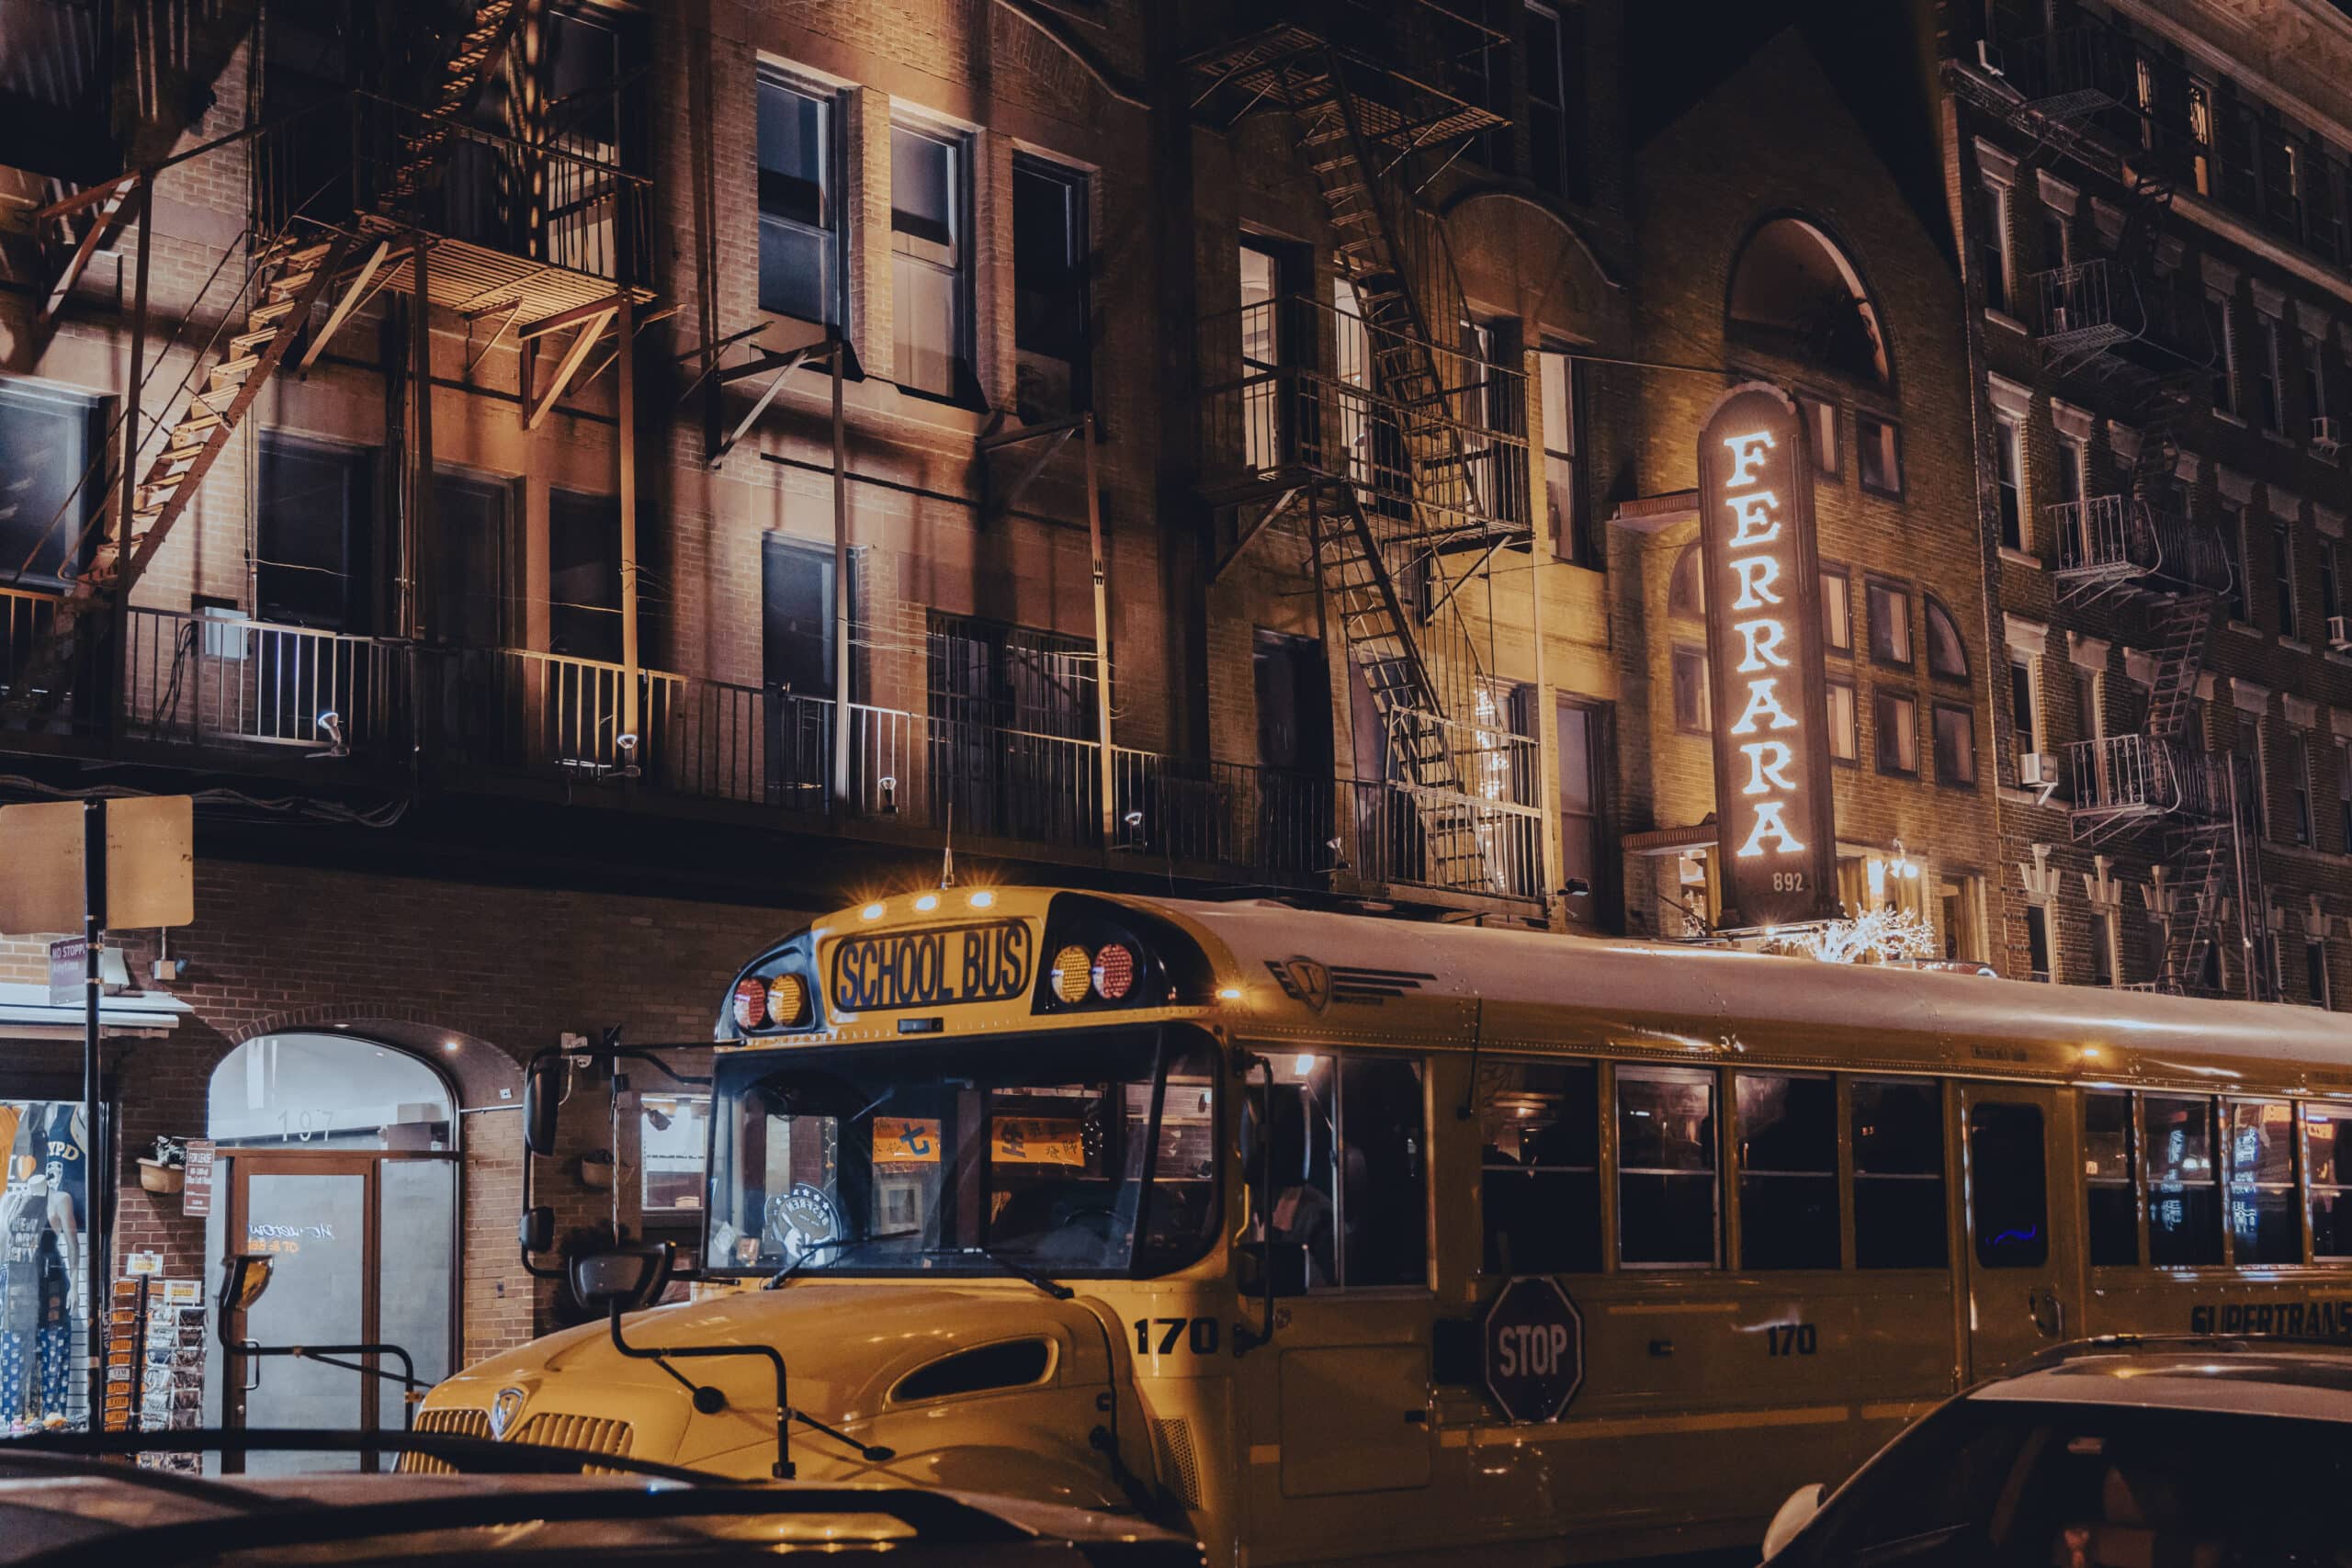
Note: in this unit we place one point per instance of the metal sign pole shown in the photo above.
(99, 1246)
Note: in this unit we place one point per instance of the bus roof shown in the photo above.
(1308, 973)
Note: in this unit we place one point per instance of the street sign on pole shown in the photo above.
(1534, 1339)
(68, 958)
(150, 864)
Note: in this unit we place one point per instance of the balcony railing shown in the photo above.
(25, 618)
(2118, 538)
(2075, 307)
(1291, 384)
(2120, 776)
(229, 687)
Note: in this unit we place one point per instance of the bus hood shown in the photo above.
(847, 1349)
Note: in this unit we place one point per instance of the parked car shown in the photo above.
(2108, 1453)
(511, 1505)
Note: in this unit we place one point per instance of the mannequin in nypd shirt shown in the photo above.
(40, 1229)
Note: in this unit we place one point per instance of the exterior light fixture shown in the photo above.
(982, 899)
(871, 912)
(1228, 993)
(889, 795)
(929, 901)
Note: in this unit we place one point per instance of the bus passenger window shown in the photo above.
(1666, 1167)
(2108, 1168)
(1540, 1184)
(1788, 1171)
(2263, 1226)
(1899, 1173)
(2328, 1158)
(2184, 1203)
(1346, 1152)
(2008, 1185)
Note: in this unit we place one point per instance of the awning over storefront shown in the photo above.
(26, 1013)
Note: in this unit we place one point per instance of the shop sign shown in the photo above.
(196, 1191)
(1776, 851)
(69, 972)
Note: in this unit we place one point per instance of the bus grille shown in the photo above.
(588, 1434)
(448, 1422)
(1178, 1464)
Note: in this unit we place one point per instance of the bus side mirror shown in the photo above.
(623, 1279)
(542, 1099)
(537, 1229)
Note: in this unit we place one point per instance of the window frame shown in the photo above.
(832, 231)
(1820, 412)
(1966, 712)
(1652, 1072)
(2285, 589)
(2340, 1189)
(1599, 1089)
(1742, 1172)
(1894, 446)
(1705, 725)
(1572, 535)
(2222, 314)
(1884, 724)
(1998, 250)
(962, 270)
(1933, 609)
(1852, 735)
(2008, 481)
(1077, 186)
(2271, 375)
(1843, 599)
(1907, 658)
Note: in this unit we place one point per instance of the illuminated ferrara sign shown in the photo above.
(1776, 857)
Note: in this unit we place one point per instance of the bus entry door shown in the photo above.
(2018, 1242)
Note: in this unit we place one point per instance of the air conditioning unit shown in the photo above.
(1988, 58)
(2038, 770)
(2340, 633)
(2327, 435)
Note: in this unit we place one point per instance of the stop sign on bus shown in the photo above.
(1534, 1349)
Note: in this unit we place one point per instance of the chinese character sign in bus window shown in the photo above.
(1540, 1166)
(1788, 1171)
(2184, 1203)
(2112, 1178)
(2263, 1225)
(1899, 1132)
(1666, 1167)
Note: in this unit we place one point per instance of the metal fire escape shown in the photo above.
(2114, 326)
(1397, 497)
(302, 254)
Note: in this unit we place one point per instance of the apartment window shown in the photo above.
(2231, 526)
(1585, 759)
(2037, 943)
(1686, 590)
(1788, 1171)
(1540, 1171)
(1844, 745)
(313, 535)
(1052, 327)
(1837, 611)
(1898, 1136)
(2282, 183)
(2200, 136)
(2240, 157)
(1947, 655)
(2331, 586)
(2087, 719)
(1955, 744)
(585, 575)
(2102, 947)
(1553, 63)
(47, 438)
(2008, 478)
(2327, 1160)
(2298, 786)
(2263, 1224)
(1878, 444)
(2344, 797)
(2025, 710)
(2221, 322)
(1896, 716)
(1691, 704)
(2111, 1177)
(2273, 381)
(2254, 783)
(2327, 209)
(1889, 615)
(930, 263)
(1667, 1193)
(1820, 427)
(2069, 473)
(802, 237)
(2315, 985)
(2314, 377)
(1561, 389)
(2282, 573)
(1992, 244)
(2057, 251)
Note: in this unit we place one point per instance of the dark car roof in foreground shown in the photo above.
(2242, 1376)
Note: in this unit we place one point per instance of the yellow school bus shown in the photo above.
(1335, 1238)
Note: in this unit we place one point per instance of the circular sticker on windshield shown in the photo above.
(802, 1217)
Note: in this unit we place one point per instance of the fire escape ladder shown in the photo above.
(289, 277)
(423, 146)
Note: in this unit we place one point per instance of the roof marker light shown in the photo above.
(1230, 994)
(982, 899)
(928, 901)
(871, 912)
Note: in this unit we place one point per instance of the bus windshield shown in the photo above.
(1089, 1153)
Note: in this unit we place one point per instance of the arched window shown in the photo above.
(322, 1090)
(1794, 293)
(1947, 655)
(1686, 592)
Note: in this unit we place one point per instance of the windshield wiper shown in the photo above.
(1052, 1287)
(776, 1279)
